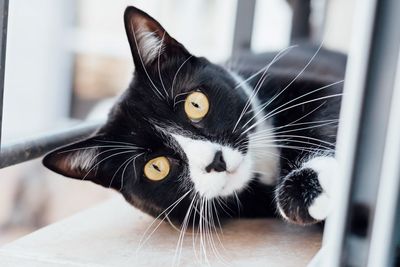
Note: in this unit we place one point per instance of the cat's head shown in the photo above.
(175, 130)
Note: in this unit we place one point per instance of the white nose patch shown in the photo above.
(212, 184)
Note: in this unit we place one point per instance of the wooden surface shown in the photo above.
(110, 234)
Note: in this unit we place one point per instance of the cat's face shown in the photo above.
(173, 135)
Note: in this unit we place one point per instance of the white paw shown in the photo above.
(326, 168)
(320, 207)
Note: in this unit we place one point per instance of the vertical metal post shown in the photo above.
(243, 30)
(301, 29)
(384, 232)
(318, 18)
(366, 108)
(3, 44)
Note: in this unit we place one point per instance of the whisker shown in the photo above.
(278, 138)
(239, 204)
(300, 129)
(114, 142)
(307, 149)
(160, 95)
(178, 95)
(257, 88)
(172, 224)
(123, 164)
(220, 202)
(158, 65)
(283, 51)
(113, 155)
(92, 147)
(167, 210)
(176, 74)
(178, 249)
(123, 172)
(291, 101)
(298, 75)
(180, 101)
(289, 140)
(268, 116)
(273, 131)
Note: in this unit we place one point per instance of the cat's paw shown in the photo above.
(326, 168)
(303, 197)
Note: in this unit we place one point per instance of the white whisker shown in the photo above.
(167, 210)
(257, 88)
(176, 74)
(291, 101)
(268, 116)
(158, 65)
(108, 157)
(123, 172)
(160, 95)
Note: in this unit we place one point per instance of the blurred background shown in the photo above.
(68, 57)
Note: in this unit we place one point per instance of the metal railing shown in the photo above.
(367, 117)
(3, 44)
(14, 153)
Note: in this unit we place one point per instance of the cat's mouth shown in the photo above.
(222, 184)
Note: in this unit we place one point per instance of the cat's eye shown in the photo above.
(196, 106)
(157, 169)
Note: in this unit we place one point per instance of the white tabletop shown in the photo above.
(110, 234)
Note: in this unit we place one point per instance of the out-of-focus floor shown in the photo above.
(32, 197)
(111, 234)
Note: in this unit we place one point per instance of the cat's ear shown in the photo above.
(82, 160)
(148, 40)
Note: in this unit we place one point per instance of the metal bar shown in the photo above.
(243, 31)
(362, 134)
(301, 29)
(15, 153)
(3, 44)
(318, 19)
(384, 229)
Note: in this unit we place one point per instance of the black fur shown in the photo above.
(297, 191)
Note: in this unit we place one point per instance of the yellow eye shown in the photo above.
(196, 106)
(157, 168)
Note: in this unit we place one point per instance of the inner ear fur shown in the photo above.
(148, 40)
(82, 161)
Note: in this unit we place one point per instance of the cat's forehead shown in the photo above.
(153, 107)
(164, 92)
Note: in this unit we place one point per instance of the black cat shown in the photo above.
(190, 138)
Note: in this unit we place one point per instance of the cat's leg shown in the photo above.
(303, 195)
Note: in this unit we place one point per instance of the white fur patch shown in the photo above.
(326, 168)
(201, 153)
(264, 154)
(83, 159)
(149, 45)
(320, 207)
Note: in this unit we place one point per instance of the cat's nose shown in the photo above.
(218, 164)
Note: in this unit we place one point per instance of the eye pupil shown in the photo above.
(195, 105)
(156, 167)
